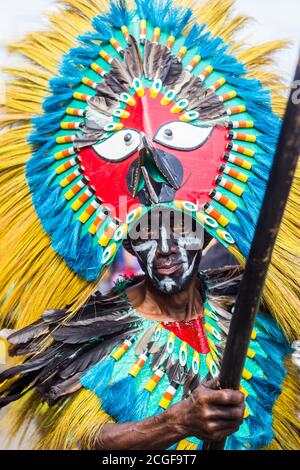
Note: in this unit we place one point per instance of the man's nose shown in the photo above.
(165, 244)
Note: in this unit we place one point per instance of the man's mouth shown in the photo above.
(168, 269)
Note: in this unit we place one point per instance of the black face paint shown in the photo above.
(168, 245)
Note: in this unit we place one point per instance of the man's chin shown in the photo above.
(169, 284)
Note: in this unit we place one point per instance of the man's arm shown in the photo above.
(207, 414)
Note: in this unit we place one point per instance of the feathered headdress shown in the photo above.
(122, 106)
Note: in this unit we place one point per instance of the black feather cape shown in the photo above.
(60, 347)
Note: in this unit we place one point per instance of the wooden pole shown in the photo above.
(251, 288)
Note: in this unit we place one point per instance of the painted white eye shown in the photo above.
(118, 146)
(182, 135)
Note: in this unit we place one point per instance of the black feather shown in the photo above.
(210, 108)
(189, 87)
(33, 364)
(23, 349)
(93, 354)
(51, 315)
(172, 73)
(29, 332)
(118, 77)
(16, 390)
(79, 334)
(177, 373)
(62, 388)
(133, 59)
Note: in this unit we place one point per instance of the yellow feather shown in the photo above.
(285, 413)
(261, 54)
(78, 424)
(214, 13)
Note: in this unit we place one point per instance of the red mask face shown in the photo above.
(180, 159)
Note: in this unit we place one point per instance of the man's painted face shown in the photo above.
(168, 246)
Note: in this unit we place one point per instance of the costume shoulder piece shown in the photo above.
(136, 368)
(152, 103)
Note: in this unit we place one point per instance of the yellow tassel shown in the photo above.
(77, 424)
(227, 32)
(285, 414)
(261, 54)
(214, 13)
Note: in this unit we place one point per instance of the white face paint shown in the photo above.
(187, 249)
(149, 247)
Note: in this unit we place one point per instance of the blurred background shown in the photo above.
(274, 19)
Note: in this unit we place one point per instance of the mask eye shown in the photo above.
(182, 135)
(118, 146)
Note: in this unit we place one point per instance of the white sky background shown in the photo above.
(274, 19)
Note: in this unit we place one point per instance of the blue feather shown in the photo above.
(240, 238)
(253, 208)
(208, 46)
(259, 424)
(232, 443)
(42, 180)
(47, 120)
(88, 38)
(81, 56)
(97, 377)
(247, 219)
(258, 111)
(276, 351)
(178, 18)
(64, 84)
(105, 32)
(254, 199)
(90, 270)
(257, 187)
(51, 199)
(68, 68)
(266, 390)
(66, 238)
(245, 84)
(270, 329)
(114, 402)
(260, 96)
(270, 126)
(267, 143)
(40, 138)
(42, 150)
(193, 36)
(51, 103)
(143, 8)
(226, 63)
(261, 172)
(64, 221)
(140, 410)
(36, 165)
(80, 52)
(273, 370)
(158, 13)
(263, 159)
(118, 15)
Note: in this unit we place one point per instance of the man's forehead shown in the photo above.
(164, 216)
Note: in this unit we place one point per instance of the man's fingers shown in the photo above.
(223, 427)
(230, 413)
(212, 384)
(226, 397)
